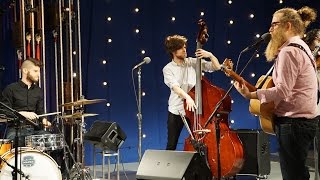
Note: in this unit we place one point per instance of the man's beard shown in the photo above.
(32, 79)
(275, 43)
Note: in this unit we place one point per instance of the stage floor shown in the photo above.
(128, 172)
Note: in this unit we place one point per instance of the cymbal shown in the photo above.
(83, 102)
(78, 115)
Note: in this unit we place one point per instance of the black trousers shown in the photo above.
(295, 135)
(174, 127)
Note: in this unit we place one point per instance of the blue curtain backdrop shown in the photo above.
(154, 22)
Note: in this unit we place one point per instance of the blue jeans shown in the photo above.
(295, 135)
(22, 133)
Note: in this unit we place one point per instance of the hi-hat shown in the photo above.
(78, 115)
(83, 102)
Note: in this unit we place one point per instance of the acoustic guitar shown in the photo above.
(265, 110)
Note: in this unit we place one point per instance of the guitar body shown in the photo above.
(264, 111)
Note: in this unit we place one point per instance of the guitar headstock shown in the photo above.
(203, 32)
(227, 66)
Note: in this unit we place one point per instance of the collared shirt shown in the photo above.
(183, 76)
(294, 77)
(20, 98)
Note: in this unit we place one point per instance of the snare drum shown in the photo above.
(34, 164)
(45, 142)
(5, 145)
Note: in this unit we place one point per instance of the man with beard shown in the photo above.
(180, 76)
(295, 90)
(26, 97)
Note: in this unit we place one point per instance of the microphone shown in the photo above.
(265, 38)
(145, 60)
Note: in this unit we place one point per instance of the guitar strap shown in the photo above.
(312, 62)
(302, 48)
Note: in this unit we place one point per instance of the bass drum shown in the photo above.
(34, 164)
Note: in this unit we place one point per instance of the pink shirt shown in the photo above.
(294, 76)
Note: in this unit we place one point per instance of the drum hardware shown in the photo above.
(76, 172)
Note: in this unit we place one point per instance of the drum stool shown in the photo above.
(108, 154)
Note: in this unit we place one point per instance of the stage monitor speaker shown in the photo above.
(257, 152)
(106, 135)
(165, 165)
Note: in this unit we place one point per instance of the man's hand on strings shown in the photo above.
(191, 106)
(242, 89)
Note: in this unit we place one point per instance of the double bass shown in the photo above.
(223, 148)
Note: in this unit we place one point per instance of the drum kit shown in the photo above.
(34, 161)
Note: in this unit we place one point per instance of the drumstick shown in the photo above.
(49, 114)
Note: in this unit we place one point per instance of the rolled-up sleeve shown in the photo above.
(169, 78)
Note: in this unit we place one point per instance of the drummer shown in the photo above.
(26, 97)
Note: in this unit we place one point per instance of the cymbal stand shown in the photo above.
(77, 172)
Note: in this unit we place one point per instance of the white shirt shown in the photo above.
(183, 76)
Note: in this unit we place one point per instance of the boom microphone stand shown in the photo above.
(17, 119)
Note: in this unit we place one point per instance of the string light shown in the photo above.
(231, 22)
(74, 74)
(257, 55)
(251, 16)
(143, 93)
(137, 31)
(201, 13)
(136, 10)
(232, 101)
(228, 42)
(104, 61)
(232, 81)
(173, 19)
(74, 52)
(109, 19)
(280, 2)
(144, 135)
(253, 74)
(143, 51)
(257, 35)
(232, 121)
(108, 104)
(229, 2)
(105, 83)
(109, 40)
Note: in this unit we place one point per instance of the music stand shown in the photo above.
(17, 117)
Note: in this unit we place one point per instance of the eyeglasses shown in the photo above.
(274, 24)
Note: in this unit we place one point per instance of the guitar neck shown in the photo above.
(238, 78)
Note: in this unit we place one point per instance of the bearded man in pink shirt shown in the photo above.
(295, 89)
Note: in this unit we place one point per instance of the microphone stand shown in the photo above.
(16, 120)
(218, 115)
(139, 115)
